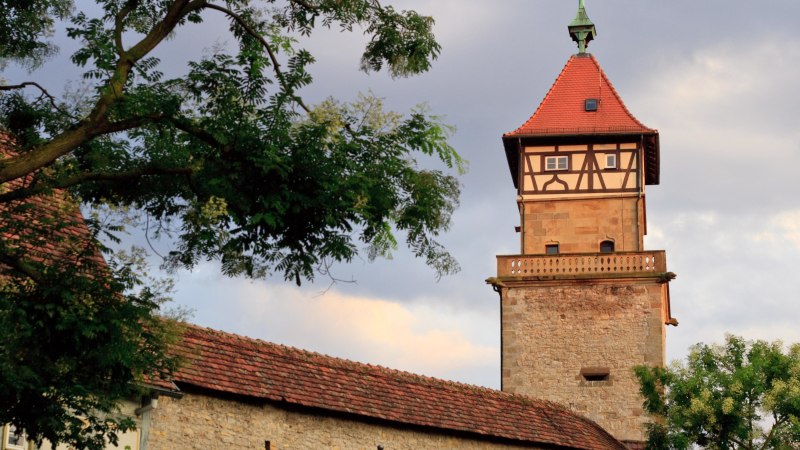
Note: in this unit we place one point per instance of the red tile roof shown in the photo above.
(232, 364)
(562, 111)
(43, 228)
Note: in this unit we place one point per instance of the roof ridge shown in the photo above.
(546, 96)
(356, 366)
(614, 91)
(232, 363)
(562, 111)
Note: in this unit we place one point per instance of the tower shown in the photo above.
(584, 302)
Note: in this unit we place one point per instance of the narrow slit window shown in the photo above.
(606, 246)
(556, 163)
(551, 249)
(595, 374)
(596, 377)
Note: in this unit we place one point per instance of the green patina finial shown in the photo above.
(581, 29)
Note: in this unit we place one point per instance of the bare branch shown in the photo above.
(83, 177)
(147, 236)
(199, 133)
(130, 5)
(324, 268)
(775, 427)
(20, 266)
(36, 85)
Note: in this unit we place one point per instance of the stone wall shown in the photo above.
(579, 225)
(203, 422)
(559, 336)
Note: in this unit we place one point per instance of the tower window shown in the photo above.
(556, 163)
(611, 161)
(606, 246)
(595, 377)
(551, 249)
(590, 104)
(596, 374)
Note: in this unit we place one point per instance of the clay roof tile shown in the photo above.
(562, 111)
(232, 364)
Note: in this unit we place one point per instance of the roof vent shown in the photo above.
(590, 104)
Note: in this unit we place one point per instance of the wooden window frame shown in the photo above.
(7, 434)
(556, 160)
(616, 161)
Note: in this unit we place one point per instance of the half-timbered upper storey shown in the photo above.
(582, 140)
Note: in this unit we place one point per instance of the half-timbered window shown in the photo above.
(12, 439)
(611, 161)
(606, 246)
(556, 163)
(551, 249)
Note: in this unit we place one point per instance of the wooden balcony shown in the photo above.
(582, 264)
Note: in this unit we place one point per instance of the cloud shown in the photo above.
(743, 88)
(734, 275)
(788, 224)
(420, 337)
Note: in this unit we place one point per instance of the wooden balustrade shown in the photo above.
(577, 264)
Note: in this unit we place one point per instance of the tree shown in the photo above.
(740, 395)
(226, 160)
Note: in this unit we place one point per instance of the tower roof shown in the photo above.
(563, 110)
(565, 114)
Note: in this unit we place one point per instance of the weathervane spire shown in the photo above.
(581, 29)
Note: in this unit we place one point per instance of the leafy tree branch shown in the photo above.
(739, 395)
(226, 152)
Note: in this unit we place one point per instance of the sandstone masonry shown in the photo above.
(576, 342)
(204, 422)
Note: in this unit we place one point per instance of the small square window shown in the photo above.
(556, 163)
(551, 249)
(611, 161)
(590, 104)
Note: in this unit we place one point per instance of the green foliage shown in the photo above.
(225, 160)
(740, 395)
(25, 26)
(79, 334)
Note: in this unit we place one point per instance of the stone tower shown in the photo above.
(584, 302)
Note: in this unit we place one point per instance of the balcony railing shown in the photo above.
(578, 264)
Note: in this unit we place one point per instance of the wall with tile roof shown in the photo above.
(248, 391)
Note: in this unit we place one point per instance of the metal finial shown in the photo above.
(581, 29)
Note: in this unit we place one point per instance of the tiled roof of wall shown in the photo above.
(42, 228)
(562, 111)
(228, 363)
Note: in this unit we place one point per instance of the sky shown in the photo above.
(718, 79)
